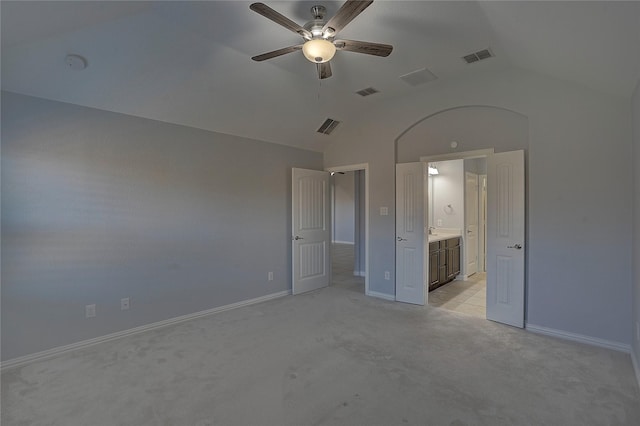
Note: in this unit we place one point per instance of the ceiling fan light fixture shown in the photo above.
(318, 50)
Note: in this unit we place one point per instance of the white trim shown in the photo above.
(38, 356)
(636, 366)
(359, 274)
(344, 242)
(353, 168)
(348, 168)
(458, 155)
(594, 341)
(389, 297)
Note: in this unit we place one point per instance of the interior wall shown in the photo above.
(361, 224)
(476, 165)
(98, 206)
(448, 195)
(635, 113)
(344, 207)
(572, 212)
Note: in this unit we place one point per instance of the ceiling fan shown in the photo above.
(320, 44)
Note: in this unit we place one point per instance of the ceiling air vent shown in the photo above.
(418, 77)
(478, 56)
(328, 126)
(368, 91)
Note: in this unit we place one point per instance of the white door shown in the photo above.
(411, 239)
(311, 230)
(471, 223)
(482, 224)
(505, 238)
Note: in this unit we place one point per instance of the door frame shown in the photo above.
(485, 153)
(353, 168)
(462, 155)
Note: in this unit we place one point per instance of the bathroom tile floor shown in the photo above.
(464, 296)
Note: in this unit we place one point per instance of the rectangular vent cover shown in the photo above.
(478, 56)
(418, 77)
(328, 126)
(368, 91)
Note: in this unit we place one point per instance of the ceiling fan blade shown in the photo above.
(347, 13)
(278, 18)
(377, 49)
(324, 70)
(276, 53)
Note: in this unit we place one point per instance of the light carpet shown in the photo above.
(331, 357)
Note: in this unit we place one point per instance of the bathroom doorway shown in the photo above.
(457, 209)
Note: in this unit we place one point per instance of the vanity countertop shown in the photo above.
(440, 237)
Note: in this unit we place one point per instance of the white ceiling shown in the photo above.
(189, 62)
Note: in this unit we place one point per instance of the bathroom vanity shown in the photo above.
(444, 259)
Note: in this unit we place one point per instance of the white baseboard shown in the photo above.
(617, 346)
(38, 356)
(636, 365)
(358, 273)
(384, 296)
(351, 243)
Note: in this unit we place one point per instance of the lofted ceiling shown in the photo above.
(190, 63)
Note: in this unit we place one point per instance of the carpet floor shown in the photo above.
(330, 357)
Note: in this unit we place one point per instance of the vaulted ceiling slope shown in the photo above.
(190, 62)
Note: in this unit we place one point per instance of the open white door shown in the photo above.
(471, 223)
(411, 239)
(311, 230)
(505, 238)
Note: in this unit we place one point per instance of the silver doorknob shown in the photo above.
(298, 238)
(402, 239)
(515, 246)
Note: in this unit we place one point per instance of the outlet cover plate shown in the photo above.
(90, 311)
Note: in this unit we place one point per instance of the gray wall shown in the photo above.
(448, 190)
(344, 207)
(578, 219)
(476, 165)
(360, 262)
(635, 111)
(97, 206)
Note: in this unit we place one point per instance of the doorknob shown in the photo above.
(402, 239)
(515, 246)
(297, 238)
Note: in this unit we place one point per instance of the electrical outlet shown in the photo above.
(387, 275)
(384, 211)
(439, 222)
(90, 311)
(270, 276)
(124, 303)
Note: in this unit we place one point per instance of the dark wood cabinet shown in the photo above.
(434, 267)
(453, 258)
(444, 261)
